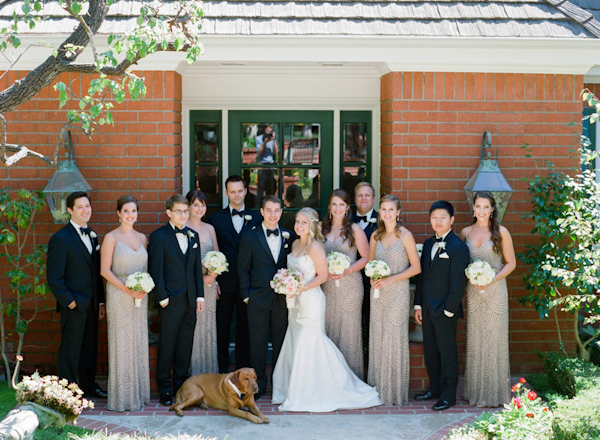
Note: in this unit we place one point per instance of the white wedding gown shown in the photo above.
(311, 373)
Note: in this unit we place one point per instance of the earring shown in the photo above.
(119, 219)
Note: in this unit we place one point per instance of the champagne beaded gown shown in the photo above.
(389, 356)
(128, 367)
(343, 311)
(204, 350)
(487, 376)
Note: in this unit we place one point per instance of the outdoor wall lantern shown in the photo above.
(488, 177)
(66, 179)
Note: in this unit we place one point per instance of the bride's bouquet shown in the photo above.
(377, 269)
(337, 263)
(140, 282)
(215, 262)
(287, 282)
(480, 273)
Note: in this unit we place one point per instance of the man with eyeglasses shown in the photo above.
(175, 265)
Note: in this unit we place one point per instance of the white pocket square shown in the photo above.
(195, 246)
(285, 247)
(98, 247)
(444, 255)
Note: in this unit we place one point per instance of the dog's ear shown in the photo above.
(236, 378)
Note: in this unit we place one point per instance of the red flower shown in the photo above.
(530, 415)
(515, 387)
(522, 380)
(545, 409)
(518, 402)
(531, 395)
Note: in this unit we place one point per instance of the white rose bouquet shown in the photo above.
(140, 282)
(215, 262)
(287, 282)
(337, 263)
(377, 269)
(480, 273)
(420, 249)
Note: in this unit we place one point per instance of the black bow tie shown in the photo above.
(275, 232)
(362, 218)
(86, 231)
(236, 212)
(180, 231)
(439, 240)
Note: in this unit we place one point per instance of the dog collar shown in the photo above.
(238, 392)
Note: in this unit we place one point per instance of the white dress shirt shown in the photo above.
(85, 238)
(363, 224)
(274, 242)
(237, 220)
(182, 239)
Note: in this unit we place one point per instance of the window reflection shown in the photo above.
(206, 142)
(355, 142)
(261, 182)
(207, 181)
(351, 177)
(301, 143)
(260, 143)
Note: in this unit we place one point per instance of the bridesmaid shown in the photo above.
(344, 303)
(389, 357)
(487, 377)
(123, 253)
(204, 351)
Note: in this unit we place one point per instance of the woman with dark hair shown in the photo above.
(123, 253)
(487, 377)
(389, 357)
(344, 301)
(204, 350)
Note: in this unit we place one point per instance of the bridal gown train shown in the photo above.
(311, 373)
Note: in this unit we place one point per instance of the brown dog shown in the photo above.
(228, 392)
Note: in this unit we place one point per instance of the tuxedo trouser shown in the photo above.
(79, 346)
(441, 356)
(227, 303)
(176, 324)
(259, 320)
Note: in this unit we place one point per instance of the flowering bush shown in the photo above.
(53, 393)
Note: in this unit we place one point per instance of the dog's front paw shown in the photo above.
(203, 406)
(255, 419)
(179, 413)
(265, 419)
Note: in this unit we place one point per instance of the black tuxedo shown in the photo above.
(366, 305)
(441, 286)
(74, 275)
(230, 300)
(178, 278)
(257, 268)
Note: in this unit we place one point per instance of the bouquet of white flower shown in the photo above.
(287, 282)
(420, 249)
(140, 282)
(337, 263)
(480, 273)
(377, 269)
(215, 262)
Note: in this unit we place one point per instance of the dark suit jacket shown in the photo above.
(257, 268)
(173, 272)
(229, 243)
(72, 272)
(442, 282)
(371, 227)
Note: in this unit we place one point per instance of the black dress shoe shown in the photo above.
(166, 399)
(96, 392)
(427, 396)
(442, 405)
(259, 395)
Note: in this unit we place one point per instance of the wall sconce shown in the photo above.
(488, 177)
(64, 181)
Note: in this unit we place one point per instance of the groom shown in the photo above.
(263, 251)
(438, 304)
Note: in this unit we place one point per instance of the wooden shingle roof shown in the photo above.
(409, 18)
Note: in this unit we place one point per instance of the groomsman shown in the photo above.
(438, 304)
(263, 251)
(366, 217)
(175, 265)
(229, 224)
(73, 273)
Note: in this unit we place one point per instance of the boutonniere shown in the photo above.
(285, 234)
(372, 220)
(93, 234)
(98, 247)
(190, 234)
(442, 245)
(247, 217)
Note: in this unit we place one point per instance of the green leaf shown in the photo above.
(76, 8)
(140, 20)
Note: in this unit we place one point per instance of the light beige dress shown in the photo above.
(487, 376)
(343, 311)
(128, 365)
(204, 350)
(389, 356)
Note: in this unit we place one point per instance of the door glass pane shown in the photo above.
(260, 143)
(206, 142)
(355, 142)
(300, 189)
(207, 181)
(351, 177)
(301, 143)
(261, 182)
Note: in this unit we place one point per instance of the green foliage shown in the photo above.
(568, 376)
(27, 272)
(578, 418)
(563, 270)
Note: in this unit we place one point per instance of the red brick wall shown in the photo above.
(139, 155)
(431, 130)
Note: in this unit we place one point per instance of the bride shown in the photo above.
(311, 374)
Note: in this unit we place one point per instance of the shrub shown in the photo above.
(466, 432)
(570, 375)
(578, 418)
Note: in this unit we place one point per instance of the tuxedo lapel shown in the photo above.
(284, 242)
(263, 240)
(79, 243)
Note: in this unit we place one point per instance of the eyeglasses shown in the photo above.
(180, 212)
